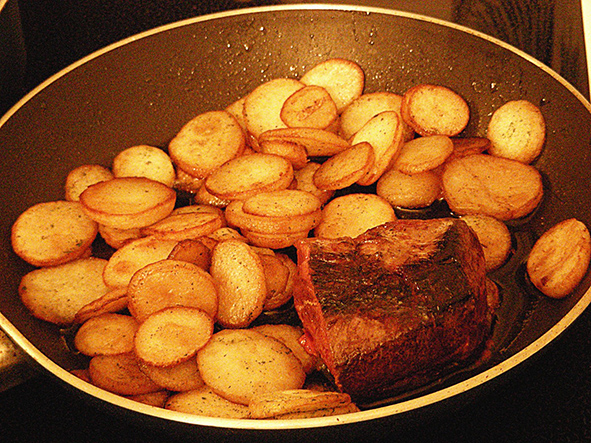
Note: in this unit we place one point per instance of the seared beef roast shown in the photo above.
(396, 307)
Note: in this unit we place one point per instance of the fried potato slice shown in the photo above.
(559, 259)
(204, 197)
(106, 334)
(120, 374)
(117, 238)
(168, 283)
(133, 256)
(309, 107)
(464, 146)
(343, 79)
(384, 133)
(187, 183)
(284, 203)
(55, 294)
(262, 107)
(274, 240)
(317, 142)
(184, 225)
(236, 108)
(242, 364)
(52, 233)
(517, 130)
(434, 110)
(494, 236)
(82, 177)
(352, 214)
(248, 175)
(226, 233)
(145, 161)
(299, 403)
(240, 279)
(289, 150)
(128, 202)
(304, 181)
(409, 191)
(345, 168)
(172, 335)
(181, 377)
(113, 301)
(498, 187)
(157, 399)
(203, 401)
(192, 251)
(423, 154)
(206, 142)
(277, 274)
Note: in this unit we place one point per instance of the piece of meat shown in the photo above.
(396, 307)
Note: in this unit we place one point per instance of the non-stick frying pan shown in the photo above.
(142, 90)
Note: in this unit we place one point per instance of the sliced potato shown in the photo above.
(317, 142)
(172, 335)
(117, 238)
(309, 107)
(156, 399)
(203, 401)
(409, 191)
(289, 150)
(304, 181)
(345, 168)
(242, 364)
(278, 299)
(52, 233)
(204, 197)
(128, 202)
(184, 225)
(423, 154)
(343, 79)
(284, 404)
(498, 187)
(494, 236)
(206, 142)
(82, 177)
(168, 283)
(284, 203)
(120, 374)
(113, 301)
(240, 280)
(236, 108)
(559, 259)
(192, 251)
(55, 294)
(277, 274)
(274, 240)
(106, 334)
(352, 214)
(248, 175)
(464, 146)
(434, 110)
(181, 377)
(145, 161)
(187, 183)
(225, 233)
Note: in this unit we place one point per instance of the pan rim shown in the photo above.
(396, 409)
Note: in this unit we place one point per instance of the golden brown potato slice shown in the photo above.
(82, 177)
(242, 364)
(352, 214)
(133, 256)
(181, 377)
(345, 168)
(277, 274)
(309, 107)
(284, 203)
(517, 130)
(225, 233)
(120, 374)
(317, 142)
(409, 191)
(304, 181)
(184, 225)
(434, 110)
(187, 183)
(343, 79)
(300, 403)
(240, 279)
(172, 335)
(145, 161)
(384, 133)
(289, 150)
(157, 399)
(55, 294)
(106, 334)
(262, 107)
(559, 259)
(498, 187)
(192, 251)
(168, 283)
(274, 240)
(52, 233)
(117, 238)
(203, 401)
(236, 108)
(206, 142)
(113, 301)
(248, 175)
(464, 146)
(494, 236)
(423, 154)
(128, 202)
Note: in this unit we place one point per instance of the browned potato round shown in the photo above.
(494, 236)
(181, 377)
(82, 177)
(203, 401)
(145, 161)
(409, 191)
(309, 107)
(106, 334)
(345, 168)
(120, 374)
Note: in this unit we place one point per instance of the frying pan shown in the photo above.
(143, 89)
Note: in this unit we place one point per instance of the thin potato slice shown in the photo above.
(352, 214)
(345, 168)
(225, 233)
(192, 251)
(464, 146)
(187, 183)
(204, 197)
(423, 154)
(289, 150)
(559, 259)
(157, 399)
(205, 402)
(168, 283)
(117, 238)
(82, 177)
(52, 233)
(343, 79)
(242, 364)
(113, 301)
(184, 225)
(484, 184)
(409, 191)
(283, 404)
(274, 240)
(434, 110)
(106, 334)
(133, 256)
(284, 203)
(206, 142)
(236, 108)
(494, 236)
(277, 275)
(240, 279)
(128, 202)
(55, 294)
(248, 175)
(172, 336)
(317, 142)
(120, 374)
(278, 299)
(309, 107)
(180, 377)
(304, 181)
(145, 161)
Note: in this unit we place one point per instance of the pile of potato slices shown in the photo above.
(168, 318)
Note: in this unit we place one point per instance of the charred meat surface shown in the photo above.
(396, 307)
